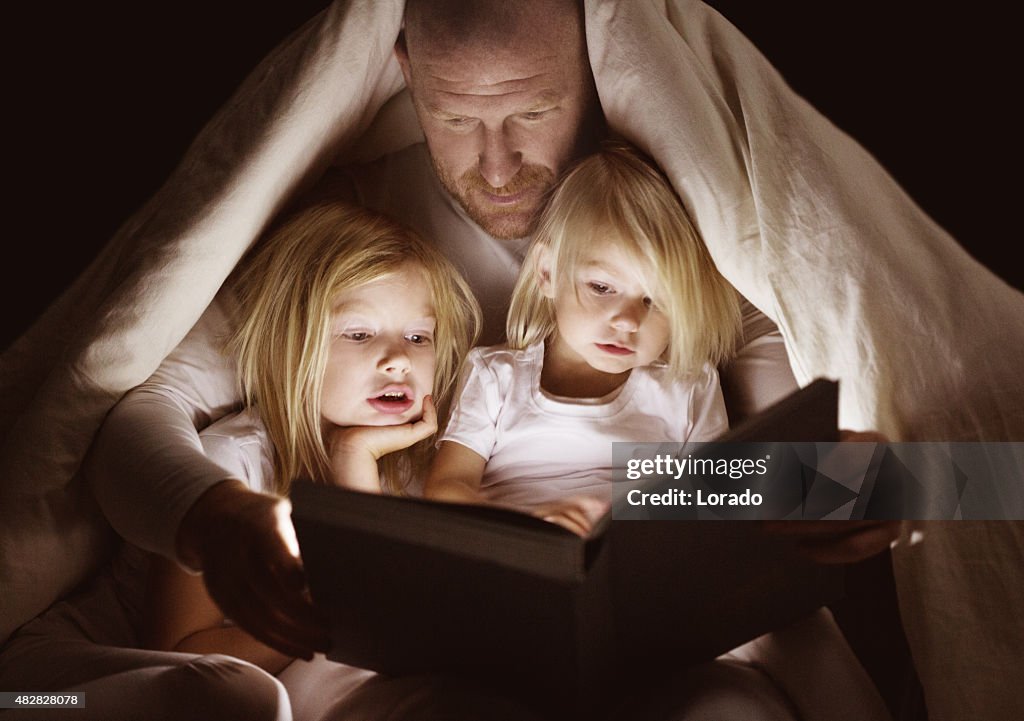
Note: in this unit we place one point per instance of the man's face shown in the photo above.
(501, 125)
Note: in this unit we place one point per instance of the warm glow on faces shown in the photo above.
(501, 124)
(606, 312)
(381, 359)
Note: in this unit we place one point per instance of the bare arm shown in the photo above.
(179, 615)
(455, 474)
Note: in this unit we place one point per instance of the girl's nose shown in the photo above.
(395, 361)
(628, 316)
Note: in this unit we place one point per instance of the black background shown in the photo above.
(103, 99)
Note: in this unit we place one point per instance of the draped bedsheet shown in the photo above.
(864, 287)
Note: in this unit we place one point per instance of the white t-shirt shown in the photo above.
(540, 448)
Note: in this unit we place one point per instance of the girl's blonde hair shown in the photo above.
(287, 290)
(617, 193)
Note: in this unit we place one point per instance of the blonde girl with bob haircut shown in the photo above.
(619, 192)
(617, 323)
(351, 334)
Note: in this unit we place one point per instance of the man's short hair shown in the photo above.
(497, 23)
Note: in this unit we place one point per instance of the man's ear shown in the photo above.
(542, 267)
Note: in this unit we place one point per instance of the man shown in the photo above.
(506, 101)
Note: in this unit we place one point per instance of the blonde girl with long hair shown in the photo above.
(616, 325)
(314, 352)
(352, 332)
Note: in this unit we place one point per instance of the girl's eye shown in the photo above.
(355, 335)
(648, 302)
(418, 338)
(599, 288)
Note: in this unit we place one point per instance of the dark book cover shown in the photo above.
(416, 586)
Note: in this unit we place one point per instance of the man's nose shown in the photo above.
(499, 160)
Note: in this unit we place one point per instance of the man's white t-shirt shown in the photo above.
(541, 448)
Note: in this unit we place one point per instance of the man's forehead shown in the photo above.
(498, 81)
(486, 64)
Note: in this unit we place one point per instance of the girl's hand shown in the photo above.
(378, 441)
(355, 450)
(578, 514)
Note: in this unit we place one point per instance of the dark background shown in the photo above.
(103, 99)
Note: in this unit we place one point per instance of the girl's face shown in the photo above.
(605, 313)
(381, 360)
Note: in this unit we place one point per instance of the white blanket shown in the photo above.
(865, 287)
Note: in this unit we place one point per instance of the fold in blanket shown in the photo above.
(310, 99)
(863, 285)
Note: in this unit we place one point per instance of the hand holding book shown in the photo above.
(838, 542)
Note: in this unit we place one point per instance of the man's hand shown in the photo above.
(838, 541)
(846, 436)
(245, 545)
(841, 541)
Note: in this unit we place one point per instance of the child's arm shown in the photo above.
(455, 474)
(180, 616)
(355, 450)
(457, 470)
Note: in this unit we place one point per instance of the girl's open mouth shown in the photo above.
(394, 401)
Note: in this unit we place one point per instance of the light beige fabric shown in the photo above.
(926, 343)
(864, 287)
(316, 92)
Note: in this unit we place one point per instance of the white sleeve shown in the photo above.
(239, 444)
(474, 419)
(760, 374)
(147, 466)
(708, 419)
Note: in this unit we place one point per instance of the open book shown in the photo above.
(415, 586)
